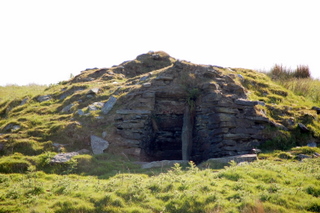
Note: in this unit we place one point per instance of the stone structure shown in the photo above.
(222, 121)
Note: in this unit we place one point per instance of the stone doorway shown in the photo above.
(167, 122)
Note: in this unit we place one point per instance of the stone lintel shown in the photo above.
(131, 111)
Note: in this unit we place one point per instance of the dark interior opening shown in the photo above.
(166, 141)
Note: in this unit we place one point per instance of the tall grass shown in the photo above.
(298, 81)
(11, 92)
(306, 87)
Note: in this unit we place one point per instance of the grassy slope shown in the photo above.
(231, 190)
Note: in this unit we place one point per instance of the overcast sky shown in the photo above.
(44, 41)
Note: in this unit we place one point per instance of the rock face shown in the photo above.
(223, 121)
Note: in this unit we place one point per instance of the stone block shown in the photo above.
(98, 144)
(129, 111)
(63, 157)
(258, 119)
(210, 86)
(228, 124)
(44, 98)
(235, 136)
(129, 125)
(229, 142)
(245, 102)
(230, 148)
(216, 139)
(237, 159)
(148, 95)
(130, 135)
(215, 96)
(225, 117)
(227, 110)
(109, 105)
(67, 109)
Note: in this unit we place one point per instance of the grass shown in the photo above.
(262, 186)
(307, 87)
(11, 92)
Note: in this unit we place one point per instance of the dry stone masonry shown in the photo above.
(189, 112)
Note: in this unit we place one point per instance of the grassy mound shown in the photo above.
(37, 122)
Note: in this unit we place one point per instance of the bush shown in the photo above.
(302, 71)
(279, 72)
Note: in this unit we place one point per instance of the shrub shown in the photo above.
(302, 71)
(279, 72)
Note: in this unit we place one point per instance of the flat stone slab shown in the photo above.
(63, 157)
(109, 105)
(245, 102)
(44, 98)
(236, 158)
(157, 164)
(129, 111)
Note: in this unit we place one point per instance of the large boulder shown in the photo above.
(98, 144)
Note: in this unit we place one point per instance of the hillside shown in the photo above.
(107, 121)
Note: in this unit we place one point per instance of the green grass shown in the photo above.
(262, 186)
(11, 92)
(308, 88)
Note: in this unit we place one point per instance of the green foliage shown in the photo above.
(15, 163)
(193, 94)
(305, 150)
(281, 141)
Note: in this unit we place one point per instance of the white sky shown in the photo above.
(44, 41)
